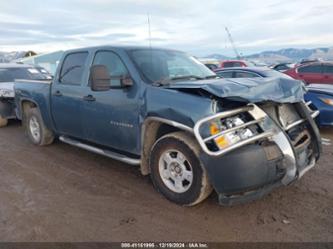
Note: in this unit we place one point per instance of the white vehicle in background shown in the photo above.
(8, 74)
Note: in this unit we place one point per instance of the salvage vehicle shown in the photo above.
(312, 73)
(8, 74)
(321, 98)
(167, 112)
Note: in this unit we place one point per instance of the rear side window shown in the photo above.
(328, 69)
(226, 75)
(310, 69)
(245, 75)
(73, 68)
(114, 64)
(238, 64)
(228, 64)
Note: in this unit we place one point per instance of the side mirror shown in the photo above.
(99, 78)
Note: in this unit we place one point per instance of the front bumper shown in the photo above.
(255, 166)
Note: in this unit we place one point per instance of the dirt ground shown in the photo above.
(62, 193)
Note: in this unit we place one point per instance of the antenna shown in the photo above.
(232, 43)
(149, 30)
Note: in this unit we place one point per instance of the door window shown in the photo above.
(245, 75)
(73, 68)
(310, 69)
(226, 75)
(328, 69)
(114, 64)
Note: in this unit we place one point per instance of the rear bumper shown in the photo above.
(255, 169)
(7, 108)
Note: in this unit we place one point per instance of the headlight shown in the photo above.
(228, 138)
(327, 101)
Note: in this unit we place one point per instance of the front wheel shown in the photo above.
(3, 122)
(176, 170)
(36, 130)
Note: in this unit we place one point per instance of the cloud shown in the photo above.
(187, 25)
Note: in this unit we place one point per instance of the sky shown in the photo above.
(194, 26)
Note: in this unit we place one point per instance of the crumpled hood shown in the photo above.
(281, 90)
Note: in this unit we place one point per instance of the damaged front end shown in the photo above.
(250, 150)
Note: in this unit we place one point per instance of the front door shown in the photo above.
(312, 73)
(111, 118)
(66, 95)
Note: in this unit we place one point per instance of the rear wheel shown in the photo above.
(3, 122)
(35, 128)
(176, 170)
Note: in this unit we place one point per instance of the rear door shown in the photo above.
(312, 73)
(328, 73)
(66, 95)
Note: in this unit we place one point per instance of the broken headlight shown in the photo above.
(224, 133)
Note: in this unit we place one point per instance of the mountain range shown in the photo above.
(283, 55)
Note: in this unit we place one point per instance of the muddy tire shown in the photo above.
(35, 128)
(3, 122)
(176, 170)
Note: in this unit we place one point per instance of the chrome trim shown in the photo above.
(288, 127)
(99, 151)
(313, 115)
(307, 168)
(266, 134)
(258, 115)
(169, 122)
(234, 129)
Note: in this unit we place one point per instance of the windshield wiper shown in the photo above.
(211, 77)
(187, 77)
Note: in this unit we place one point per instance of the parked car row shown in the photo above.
(190, 129)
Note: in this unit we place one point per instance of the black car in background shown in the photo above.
(249, 72)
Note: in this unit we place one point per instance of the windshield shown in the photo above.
(164, 66)
(12, 74)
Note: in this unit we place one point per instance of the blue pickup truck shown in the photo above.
(189, 129)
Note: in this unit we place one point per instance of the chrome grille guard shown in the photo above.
(259, 116)
(270, 131)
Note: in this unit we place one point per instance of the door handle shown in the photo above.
(57, 93)
(89, 98)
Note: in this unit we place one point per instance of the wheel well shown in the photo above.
(153, 130)
(26, 105)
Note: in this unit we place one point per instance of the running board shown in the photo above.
(99, 151)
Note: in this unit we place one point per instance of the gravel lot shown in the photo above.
(61, 193)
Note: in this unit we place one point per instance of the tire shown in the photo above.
(35, 128)
(3, 122)
(176, 170)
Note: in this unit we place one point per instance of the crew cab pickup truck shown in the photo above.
(166, 112)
